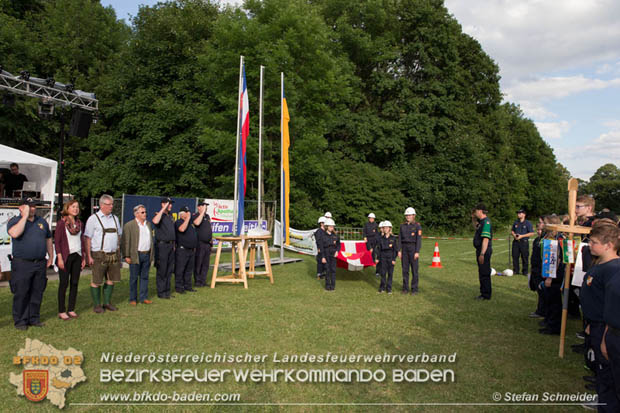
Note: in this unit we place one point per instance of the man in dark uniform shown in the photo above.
(410, 238)
(611, 340)
(31, 240)
(187, 241)
(330, 245)
(318, 234)
(164, 247)
(521, 232)
(482, 244)
(202, 222)
(385, 254)
(371, 235)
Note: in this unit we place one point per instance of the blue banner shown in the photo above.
(550, 258)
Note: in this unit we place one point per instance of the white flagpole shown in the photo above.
(260, 156)
(282, 236)
(235, 223)
(260, 145)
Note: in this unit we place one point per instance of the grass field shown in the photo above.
(498, 348)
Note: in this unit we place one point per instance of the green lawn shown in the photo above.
(498, 347)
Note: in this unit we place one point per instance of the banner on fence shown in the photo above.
(300, 241)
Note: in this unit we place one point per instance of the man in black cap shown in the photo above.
(482, 244)
(187, 241)
(521, 231)
(202, 222)
(164, 247)
(31, 240)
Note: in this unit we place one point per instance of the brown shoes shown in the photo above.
(147, 302)
(133, 303)
(98, 309)
(110, 307)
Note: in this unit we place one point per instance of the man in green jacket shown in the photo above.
(138, 251)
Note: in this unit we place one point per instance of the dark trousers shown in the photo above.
(573, 302)
(553, 299)
(165, 266)
(386, 270)
(183, 268)
(28, 282)
(371, 244)
(203, 260)
(330, 271)
(139, 270)
(320, 267)
(520, 250)
(541, 309)
(604, 373)
(408, 253)
(484, 274)
(70, 276)
(612, 339)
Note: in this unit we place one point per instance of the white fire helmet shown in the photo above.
(409, 211)
(371, 215)
(328, 215)
(321, 220)
(385, 224)
(493, 272)
(508, 272)
(329, 222)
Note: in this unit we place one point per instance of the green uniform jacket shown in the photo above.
(130, 238)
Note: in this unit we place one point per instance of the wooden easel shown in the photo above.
(251, 244)
(570, 229)
(237, 253)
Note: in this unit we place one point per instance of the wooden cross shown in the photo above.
(570, 229)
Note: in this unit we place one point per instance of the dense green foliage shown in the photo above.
(604, 185)
(391, 105)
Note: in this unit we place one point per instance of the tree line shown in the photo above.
(391, 105)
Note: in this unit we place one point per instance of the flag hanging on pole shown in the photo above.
(285, 168)
(244, 132)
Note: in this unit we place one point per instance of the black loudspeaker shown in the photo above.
(80, 124)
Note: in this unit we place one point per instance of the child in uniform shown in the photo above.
(385, 255)
(371, 235)
(320, 267)
(553, 286)
(536, 273)
(330, 245)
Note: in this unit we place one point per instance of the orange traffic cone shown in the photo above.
(436, 258)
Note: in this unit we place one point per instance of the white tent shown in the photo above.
(37, 169)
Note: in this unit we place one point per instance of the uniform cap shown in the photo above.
(184, 209)
(321, 220)
(328, 215)
(521, 211)
(329, 222)
(28, 201)
(371, 215)
(204, 202)
(409, 211)
(167, 199)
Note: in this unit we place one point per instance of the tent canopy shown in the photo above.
(36, 168)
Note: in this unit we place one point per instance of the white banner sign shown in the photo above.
(301, 241)
(5, 239)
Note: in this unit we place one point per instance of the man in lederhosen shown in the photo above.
(103, 232)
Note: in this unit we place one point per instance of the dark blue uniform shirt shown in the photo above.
(205, 233)
(330, 244)
(611, 313)
(592, 293)
(370, 231)
(521, 228)
(164, 231)
(32, 244)
(387, 248)
(411, 234)
(188, 238)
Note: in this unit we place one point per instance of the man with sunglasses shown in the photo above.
(137, 248)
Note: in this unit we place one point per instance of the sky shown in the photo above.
(559, 61)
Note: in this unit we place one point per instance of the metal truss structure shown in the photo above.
(49, 91)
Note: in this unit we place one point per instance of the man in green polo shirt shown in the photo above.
(482, 244)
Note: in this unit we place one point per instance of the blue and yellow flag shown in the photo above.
(286, 183)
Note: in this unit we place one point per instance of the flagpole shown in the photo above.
(260, 156)
(282, 236)
(235, 223)
(260, 144)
